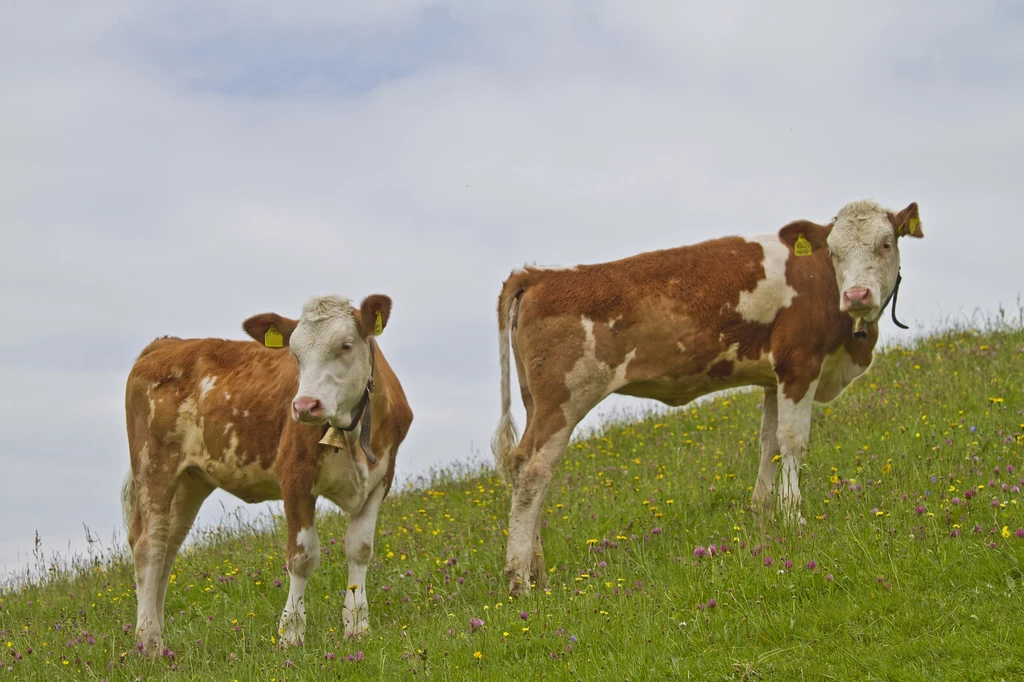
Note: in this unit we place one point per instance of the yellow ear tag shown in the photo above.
(378, 325)
(802, 246)
(912, 226)
(273, 338)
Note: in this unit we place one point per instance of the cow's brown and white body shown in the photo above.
(210, 413)
(677, 324)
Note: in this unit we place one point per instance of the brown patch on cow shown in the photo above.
(722, 368)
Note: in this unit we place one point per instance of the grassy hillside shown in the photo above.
(909, 567)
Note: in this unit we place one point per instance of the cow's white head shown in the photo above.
(330, 342)
(866, 256)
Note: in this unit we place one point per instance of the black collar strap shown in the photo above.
(892, 297)
(366, 416)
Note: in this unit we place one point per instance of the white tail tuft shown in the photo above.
(506, 436)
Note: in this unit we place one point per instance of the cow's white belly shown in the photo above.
(837, 372)
(346, 480)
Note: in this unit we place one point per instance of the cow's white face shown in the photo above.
(334, 362)
(866, 256)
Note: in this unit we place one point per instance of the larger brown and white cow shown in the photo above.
(775, 311)
(261, 423)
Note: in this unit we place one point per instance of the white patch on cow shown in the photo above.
(228, 427)
(611, 323)
(336, 379)
(837, 372)
(345, 479)
(152, 412)
(590, 380)
(794, 431)
(231, 454)
(206, 385)
(548, 268)
(680, 346)
(301, 566)
(359, 552)
(189, 429)
(773, 293)
(858, 240)
(245, 413)
(227, 396)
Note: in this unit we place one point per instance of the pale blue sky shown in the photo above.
(173, 169)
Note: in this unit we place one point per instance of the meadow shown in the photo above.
(909, 566)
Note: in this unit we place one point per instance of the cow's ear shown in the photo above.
(907, 223)
(804, 237)
(270, 329)
(373, 314)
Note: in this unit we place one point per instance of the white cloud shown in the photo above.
(147, 192)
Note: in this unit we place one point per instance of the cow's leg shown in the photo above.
(538, 574)
(188, 498)
(525, 554)
(762, 498)
(794, 432)
(303, 558)
(359, 550)
(149, 551)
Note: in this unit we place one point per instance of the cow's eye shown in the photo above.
(347, 346)
(886, 246)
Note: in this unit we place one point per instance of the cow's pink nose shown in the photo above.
(307, 407)
(857, 296)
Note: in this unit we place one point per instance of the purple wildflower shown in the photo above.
(920, 509)
(524, 615)
(768, 561)
(955, 501)
(1020, 532)
(787, 564)
(811, 565)
(712, 603)
(828, 577)
(699, 552)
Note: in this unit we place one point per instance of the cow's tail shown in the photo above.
(506, 436)
(128, 499)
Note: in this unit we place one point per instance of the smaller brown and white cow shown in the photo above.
(795, 312)
(261, 423)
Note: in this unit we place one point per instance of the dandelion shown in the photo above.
(477, 655)
(1006, 532)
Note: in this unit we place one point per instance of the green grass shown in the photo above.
(907, 585)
